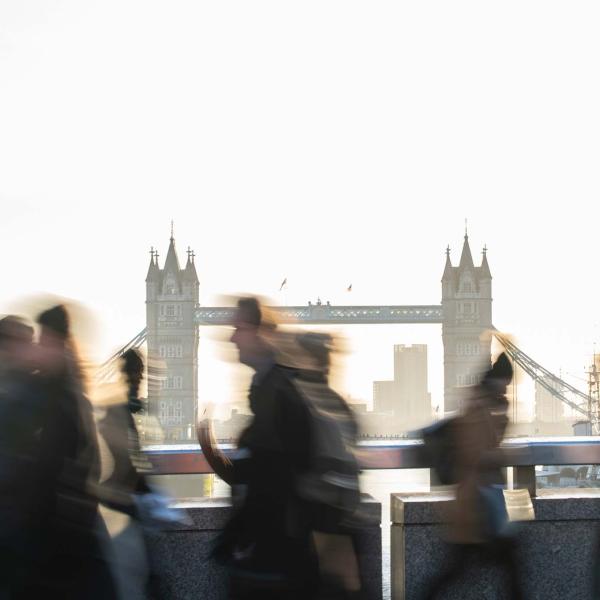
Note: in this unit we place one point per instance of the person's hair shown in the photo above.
(13, 328)
(249, 311)
(133, 369)
(501, 370)
(57, 320)
(495, 382)
(318, 345)
(132, 363)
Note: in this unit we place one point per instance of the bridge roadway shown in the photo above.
(326, 314)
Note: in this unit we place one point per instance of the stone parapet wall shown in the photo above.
(557, 551)
(182, 552)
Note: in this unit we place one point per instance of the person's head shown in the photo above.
(247, 336)
(133, 367)
(54, 336)
(497, 379)
(16, 343)
(54, 324)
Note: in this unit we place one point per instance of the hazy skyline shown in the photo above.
(326, 143)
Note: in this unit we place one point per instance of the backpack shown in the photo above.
(439, 440)
(331, 480)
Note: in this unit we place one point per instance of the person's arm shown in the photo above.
(219, 463)
(113, 498)
(295, 428)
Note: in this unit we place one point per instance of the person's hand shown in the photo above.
(215, 458)
(204, 430)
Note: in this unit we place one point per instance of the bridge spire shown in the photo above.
(153, 267)
(466, 259)
(484, 270)
(172, 261)
(190, 267)
(448, 269)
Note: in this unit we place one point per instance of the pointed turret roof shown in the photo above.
(484, 270)
(172, 262)
(153, 270)
(448, 269)
(190, 267)
(466, 260)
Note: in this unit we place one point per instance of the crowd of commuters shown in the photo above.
(295, 532)
(53, 542)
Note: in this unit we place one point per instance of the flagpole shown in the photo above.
(282, 289)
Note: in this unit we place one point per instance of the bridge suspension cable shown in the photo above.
(553, 384)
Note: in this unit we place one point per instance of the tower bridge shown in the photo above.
(174, 319)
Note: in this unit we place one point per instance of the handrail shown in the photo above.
(403, 454)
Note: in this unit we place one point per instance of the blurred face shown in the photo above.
(50, 351)
(17, 350)
(247, 341)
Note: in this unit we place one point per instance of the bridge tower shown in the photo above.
(467, 314)
(171, 300)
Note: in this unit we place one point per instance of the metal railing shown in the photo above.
(523, 454)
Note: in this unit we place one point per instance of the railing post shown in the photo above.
(433, 480)
(524, 478)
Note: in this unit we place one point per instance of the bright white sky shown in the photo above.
(326, 142)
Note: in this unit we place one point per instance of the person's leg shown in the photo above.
(504, 552)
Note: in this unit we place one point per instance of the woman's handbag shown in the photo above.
(503, 509)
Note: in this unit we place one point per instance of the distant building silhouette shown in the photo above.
(172, 295)
(551, 417)
(385, 397)
(405, 400)
(467, 314)
(410, 370)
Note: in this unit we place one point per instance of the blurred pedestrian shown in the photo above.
(24, 496)
(120, 433)
(479, 527)
(266, 545)
(75, 540)
(125, 487)
(330, 484)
